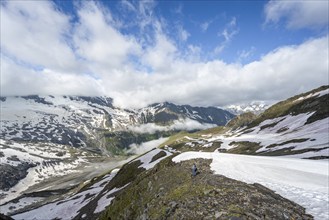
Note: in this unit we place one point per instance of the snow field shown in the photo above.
(147, 158)
(47, 164)
(302, 181)
(69, 207)
(294, 127)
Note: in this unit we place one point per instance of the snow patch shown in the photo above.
(147, 158)
(302, 181)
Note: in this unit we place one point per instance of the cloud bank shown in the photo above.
(92, 55)
(182, 124)
(146, 146)
(298, 14)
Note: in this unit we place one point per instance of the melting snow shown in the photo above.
(318, 94)
(302, 181)
(69, 207)
(287, 128)
(147, 158)
(106, 199)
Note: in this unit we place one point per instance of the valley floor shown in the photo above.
(58, 184)
(302, 181)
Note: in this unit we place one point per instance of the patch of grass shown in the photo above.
(241, 120)
(176, 138)
(118, 142)
(318, 158)
(126, 174)
(214, 130)
(244, 147)
(235, 210)
(290, 151)
(158, 156)
(294, 106)
(270, 125)
(169, 192)
(301, 140)
(282, 130)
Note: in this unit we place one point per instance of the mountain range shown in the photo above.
(78, 120)
(46, 136)
(255, 107)
(288, 140)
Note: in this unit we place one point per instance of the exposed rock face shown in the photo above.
(169, 192)
(11, 175)
(81, 121)
(162, 113)
(5, 217)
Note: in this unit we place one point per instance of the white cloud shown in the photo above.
(205, 25)
(33, 32)
(97, 41)
(18, 80)
(279, 74)
(298, 14)
(179, 9)
(93, 56)
(182, 33)
(182, 124)
(160, 56)
(146, 146)
(228, 33)
(128, 5)
(245, 54)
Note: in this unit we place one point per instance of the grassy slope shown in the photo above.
(169, 192)
(294, 106)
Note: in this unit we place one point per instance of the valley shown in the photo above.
(164, 110)
(88, 167)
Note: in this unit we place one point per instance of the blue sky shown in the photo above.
(188, 52)
(249, 36)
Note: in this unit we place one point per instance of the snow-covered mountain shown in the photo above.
(76, 121)
(164, 112)
(291, 130)
(255, 107)
(42, 137)
(297, 127)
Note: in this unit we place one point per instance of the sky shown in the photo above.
(202, 53)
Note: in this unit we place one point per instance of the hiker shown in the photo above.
(194, 170)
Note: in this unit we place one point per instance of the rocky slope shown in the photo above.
(47, 137)
(297, 127)
(81, 122)
(155, 187)
(169, 192)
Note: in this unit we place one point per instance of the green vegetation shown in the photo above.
(244, 147)
(211, 131)
(270, 125)
(294, 106)
(177, 138)
(241, 120)
(169, 192)
(128, 173)
(290, 151)
(301, 140)
(118, 142)
(158, 156)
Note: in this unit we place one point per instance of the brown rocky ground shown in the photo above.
(169, 192)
